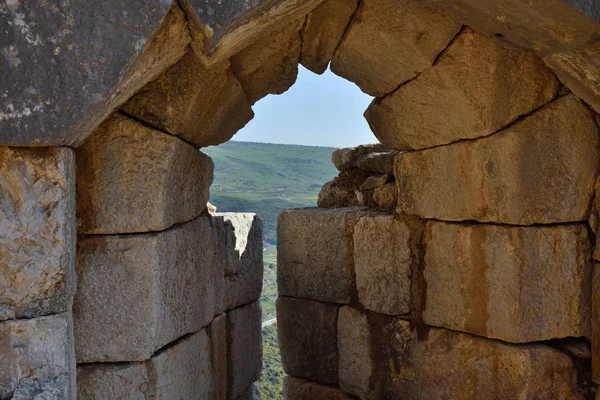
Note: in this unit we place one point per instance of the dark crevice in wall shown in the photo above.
(579, 350)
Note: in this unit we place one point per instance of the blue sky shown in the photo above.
(319, 110)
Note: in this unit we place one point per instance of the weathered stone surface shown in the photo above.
(347, 158)
(180, 371)
(343, 190)
(478, 86)
(244, 348)
(203, 106)
(131, 178)
(390, 42)
(375, 181)
(307, 333)
(38, 359)
(539, 170)
(316, 266)
(452, 365)
(517, 284)
(239, 267)
(323, 31)
(356, 367)
(66, 67)
(217, 333)
(166, 277)
(37, 225)
(386, 197)
(385, 253)
(539, 25)
(579, 69)
(251, 393)
(270, 65)
(300, 389)
(596, 323)
(382, 163)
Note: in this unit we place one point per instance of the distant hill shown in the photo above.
(268, 178)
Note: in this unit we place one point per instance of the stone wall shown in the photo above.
(455, 259)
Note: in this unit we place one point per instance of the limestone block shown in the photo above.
(180, 371)
(203, 106)
(270, 65)
(579, 70)
(390, 42)
(385, 253)
(217, 333)
(307, 333)
(382, 163)
(131, 178)
(300, 389)
(386, 197)
(38, 358)
(356, 367)
(539, 170)
(347, 158)
(316, 266)
(64, 68)
(244, 348)
(517, 284)
(375, 181)
(323, 31)
(37, 225)
(478, 86)
(344, 190)
(596, 323)
(239, 261)
(165, 277)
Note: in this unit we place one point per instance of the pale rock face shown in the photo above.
(539, 170)
(38, 359)
(381, 163)
(300, 389)
(239, 267)
(180, 371)
(270, 65)
(323, 31)
(348, 158)
(354, 345)
(244, 348)
(307, 333)
(478, 86)
(37, 231)
(390, 42)
(201, 105)
(314, 258)
(386, 197)
(517, 284)
(385, 251)
(375, 181)
(131, 178)
(166, 277)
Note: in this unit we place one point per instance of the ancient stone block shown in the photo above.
(385, 252)
(517, 284)
(37, 225)
(165, 276)
(386, 197)
(382, 162)
(579, 69)
(251, 393)
(390, 42)
(38, 358)
(131, 178)
(239, 266)
(66, 67)
(307, 333)
(596, 323)
(344, 190)
(244, 348)
(356, 368)
(311, 266)
(539, 170)
(347, 158)
(300, 389)
(323, 31)
(202, 105)
(180, 371)
(217, 333)
(270, 65)
(375, 181)
(478, 86)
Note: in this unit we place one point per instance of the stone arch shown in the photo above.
(134, 206)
